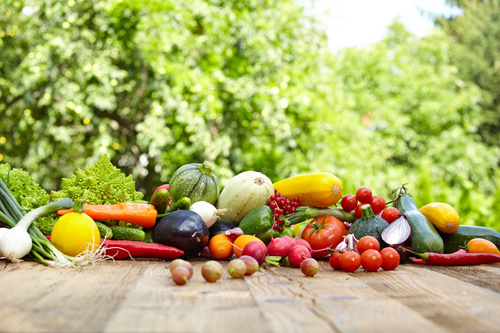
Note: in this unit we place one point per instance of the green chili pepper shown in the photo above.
(259, 222)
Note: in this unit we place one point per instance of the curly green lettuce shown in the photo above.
(99, 184)
(29, 194)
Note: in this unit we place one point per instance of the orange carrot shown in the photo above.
(139, 214)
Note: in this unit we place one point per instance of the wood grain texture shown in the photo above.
(139, 296)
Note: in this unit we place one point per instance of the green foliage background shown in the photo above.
(251, 85)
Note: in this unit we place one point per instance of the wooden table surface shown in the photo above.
(139, 296)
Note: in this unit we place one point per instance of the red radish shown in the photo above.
(252, 264)
(256, 250)
(304, 243)
(279, 247)
(297, 254)
(292, 241)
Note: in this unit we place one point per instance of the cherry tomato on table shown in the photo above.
(378, 204)
(357, 211)
(349, 202)
(367, 243)
(390, 214)
(390, 258)
(322, 233)
(364, 195)
(371, 260)
(335, 261)
(350, 261)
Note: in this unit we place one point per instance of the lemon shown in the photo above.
(75, 233)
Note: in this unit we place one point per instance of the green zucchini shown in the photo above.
(459, 239)
(424, 236)
(195, 181)
(369, 225)
(125, 233)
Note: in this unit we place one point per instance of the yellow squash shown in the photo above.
(317, 189)
(443, 216)
(76, 232)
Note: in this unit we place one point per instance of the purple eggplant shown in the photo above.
(182, 229)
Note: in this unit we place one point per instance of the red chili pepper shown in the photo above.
(458, 258)
(124, 249)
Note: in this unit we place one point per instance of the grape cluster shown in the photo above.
(281, 206)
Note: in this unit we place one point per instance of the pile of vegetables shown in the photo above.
(98, 214)
(21, 238)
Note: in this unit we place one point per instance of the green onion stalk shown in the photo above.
(305, 212)
(22, 237)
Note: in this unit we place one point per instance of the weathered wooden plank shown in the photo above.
(139, 296)
(36, 298)
(344, 302)
(156, 304)
(450, 303)
(485, 276)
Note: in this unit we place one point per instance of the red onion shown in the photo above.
(398, 232)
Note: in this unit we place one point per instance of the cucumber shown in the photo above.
(124, 233)
(424, 236)
(104, 230)
(459, 239)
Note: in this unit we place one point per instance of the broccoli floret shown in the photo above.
(99, 184)
(28, 194)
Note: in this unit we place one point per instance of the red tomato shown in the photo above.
(390, 214)
(322, 233)
(334, 261)
(371, 260)
(364, 195)
(349, 202)
(390, 258)
(367, 243)
(378, 204)
(357, 211)
(349, 261)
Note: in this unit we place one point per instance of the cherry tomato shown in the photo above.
(364, 195)
(390, 214)
(322, 233)
(367, 243)
(371, 260)
(349, 202)
(357, 211)
(390, 258)
(378, 204)
(334, 261)
(349, 261)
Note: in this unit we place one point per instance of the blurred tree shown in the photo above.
(156, 84)
(414, 122)
(476, 53)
